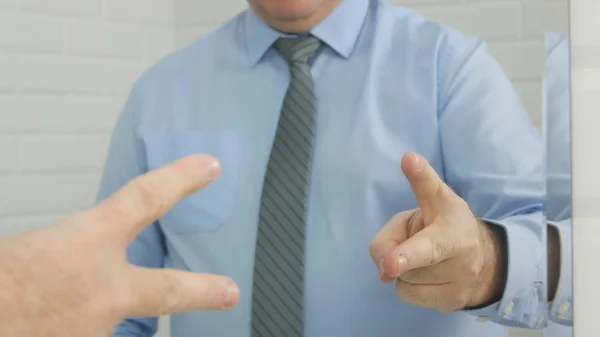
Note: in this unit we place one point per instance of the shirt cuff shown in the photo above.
(524, 302)
(561, 308)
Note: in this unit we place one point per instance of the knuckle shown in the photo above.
(171, 294)
(437, 251)
(149, 196)
(443, 248)
(441, 190)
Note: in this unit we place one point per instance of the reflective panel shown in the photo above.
(557, 134)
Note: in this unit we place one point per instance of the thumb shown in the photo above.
(156, 292)
(429, 189)
(428, 247)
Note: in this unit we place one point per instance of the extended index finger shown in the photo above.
(429, 189)
(149, 196)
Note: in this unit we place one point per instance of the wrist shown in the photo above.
(492, 280)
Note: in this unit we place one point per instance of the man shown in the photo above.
(332, 118)
(72, 279)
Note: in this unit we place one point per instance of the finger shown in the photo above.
(149, 196)
(156, 292)
(440, 273)
(428, 296)
(400, 227)
(430, 246)
(429, 189)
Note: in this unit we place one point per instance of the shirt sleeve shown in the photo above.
(125, 161)
(524, 300)
(493, 159)
(561, 308)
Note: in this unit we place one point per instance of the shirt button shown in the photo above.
(509, 308)
(482, 319)
(564, 307)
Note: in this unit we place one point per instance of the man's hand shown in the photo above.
(73, 279)
(440, 254)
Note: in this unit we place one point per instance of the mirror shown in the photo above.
(557, 134)
(93, 93)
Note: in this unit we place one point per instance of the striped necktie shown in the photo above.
(278, 284)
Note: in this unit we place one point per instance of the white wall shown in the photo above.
(65, 68)
(556, 16)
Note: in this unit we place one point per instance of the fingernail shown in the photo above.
(231, 295)
(418, 163)
(380, 267)
(402, 264)
(214, 170)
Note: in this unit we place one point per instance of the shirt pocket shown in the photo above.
(208, 209)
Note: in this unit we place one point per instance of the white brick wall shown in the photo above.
(67, 65)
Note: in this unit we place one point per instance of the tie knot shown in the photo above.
(298, 49)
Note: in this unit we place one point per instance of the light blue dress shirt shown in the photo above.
(558, 190)
(388, 81)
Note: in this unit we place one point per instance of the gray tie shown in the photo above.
(277, 295)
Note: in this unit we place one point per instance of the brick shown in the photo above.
(557, 17)
(534, 22)
(7, 153)
(185, 35)
(123, 41)
(8, 4)
(58, 153)
(8, 79)
(520, 60)
(38, 194)
(120, 78)
(190, 12)
(25, 33)
(53, 114)
(20, 224)
(93, 114)
(79, 8)
(158, 42)
(493, 21)
(29, 113)
(58, 74)
(148, 11)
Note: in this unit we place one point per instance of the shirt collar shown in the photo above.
(339, 30)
